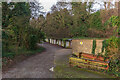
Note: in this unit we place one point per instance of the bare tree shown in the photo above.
(36, 9)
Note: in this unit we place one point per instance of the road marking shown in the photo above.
(51, 69)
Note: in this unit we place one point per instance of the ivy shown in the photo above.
(114, 62)
(103, 45)
(94, 47)
(114, 20)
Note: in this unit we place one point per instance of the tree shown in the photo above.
(80, 18)
(60, 5)
(39, 22)
(36, 9)
(18, 31)
(58, 24)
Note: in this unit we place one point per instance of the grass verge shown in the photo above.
(63, 71)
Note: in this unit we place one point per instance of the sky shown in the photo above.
(47, 4)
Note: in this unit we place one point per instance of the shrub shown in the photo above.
(32, 41)
(112, 50)
(94, 47)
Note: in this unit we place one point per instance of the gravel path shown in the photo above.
(35, 67)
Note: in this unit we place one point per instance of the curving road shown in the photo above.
(36, 66)
(41, 65)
